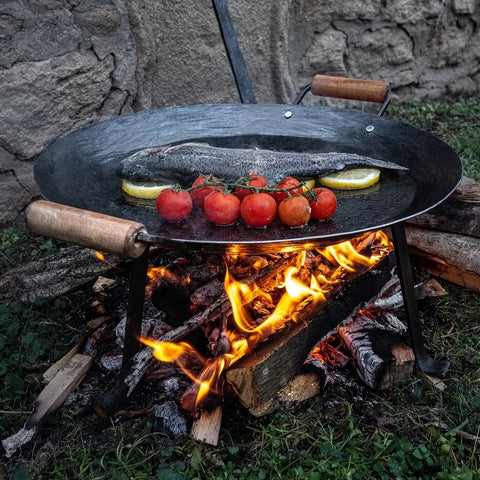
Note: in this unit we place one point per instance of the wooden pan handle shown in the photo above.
(350, 88)
(82, 227)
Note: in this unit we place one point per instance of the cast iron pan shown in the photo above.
(78, 169)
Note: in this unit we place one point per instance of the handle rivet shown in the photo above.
(288, 114)
(370, 128)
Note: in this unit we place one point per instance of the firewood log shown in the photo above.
(121, 387)
(451, 256)
(258, 376)
(460, 213)
(381, 356)
(54, 275)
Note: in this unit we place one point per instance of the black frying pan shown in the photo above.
(78, 169)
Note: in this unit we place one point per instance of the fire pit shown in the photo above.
(77, 175)
(78, 171)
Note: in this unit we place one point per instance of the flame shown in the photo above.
(298, 287)
(156, 273)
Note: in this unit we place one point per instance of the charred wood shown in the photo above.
(169, 420)
(381, 356)
(54, 275)
(122, 385)
(256, 378)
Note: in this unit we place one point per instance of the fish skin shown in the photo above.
(185, 162)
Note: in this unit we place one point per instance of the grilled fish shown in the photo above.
(183, 163)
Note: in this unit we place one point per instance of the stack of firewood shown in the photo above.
(446, 240)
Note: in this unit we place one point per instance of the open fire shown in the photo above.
(257, 313)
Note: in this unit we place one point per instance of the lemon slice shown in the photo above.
(143, 189)
(351, 179)
(308, 184)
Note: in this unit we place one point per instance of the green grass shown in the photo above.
(457, 124)
(411, 431)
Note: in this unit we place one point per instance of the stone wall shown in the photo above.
(67, 63)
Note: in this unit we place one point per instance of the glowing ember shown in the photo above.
(301, 284)
(100, 256)
(161, 272)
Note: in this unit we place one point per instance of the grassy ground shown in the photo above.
(412, 431)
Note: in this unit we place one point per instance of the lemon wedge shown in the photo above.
(351, 179)
(142, 189)
(308, 184)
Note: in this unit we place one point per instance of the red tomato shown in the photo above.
(294, 211)
(258, 209)
(200, 194)
(325, 204)
(287, 182)
(174, 205)
(254, 181)
(222, 208)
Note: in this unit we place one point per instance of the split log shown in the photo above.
(459, 213)
(54, 275)
(206, 428)
(301, 387)
(49, 400)
(381, 356)
(257, 378)
(450, 256)
(116, 394)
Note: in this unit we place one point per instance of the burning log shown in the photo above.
(122, 386)
(256, 378)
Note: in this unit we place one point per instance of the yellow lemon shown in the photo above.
(142, 189)
(308, 184)
(351, 179)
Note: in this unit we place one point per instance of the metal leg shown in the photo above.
(136, 298)
(428, 364)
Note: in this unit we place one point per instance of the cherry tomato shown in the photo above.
(325, 204)
(222, 208)
(174, 205)
(258, 209)
(254, 181)
(200, 194)
(294, 211)
(287, 182)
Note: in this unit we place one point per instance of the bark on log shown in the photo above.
(54, 275)
(257, 378)
(450, 256)
(460, 213)
(381, 356)
(122, 386)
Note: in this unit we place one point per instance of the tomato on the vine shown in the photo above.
(254, 181)
(287, 182)
(258, 209)
(174, 205)
(222, 208)
(200, 194)
(294, 211)
(324, 205)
